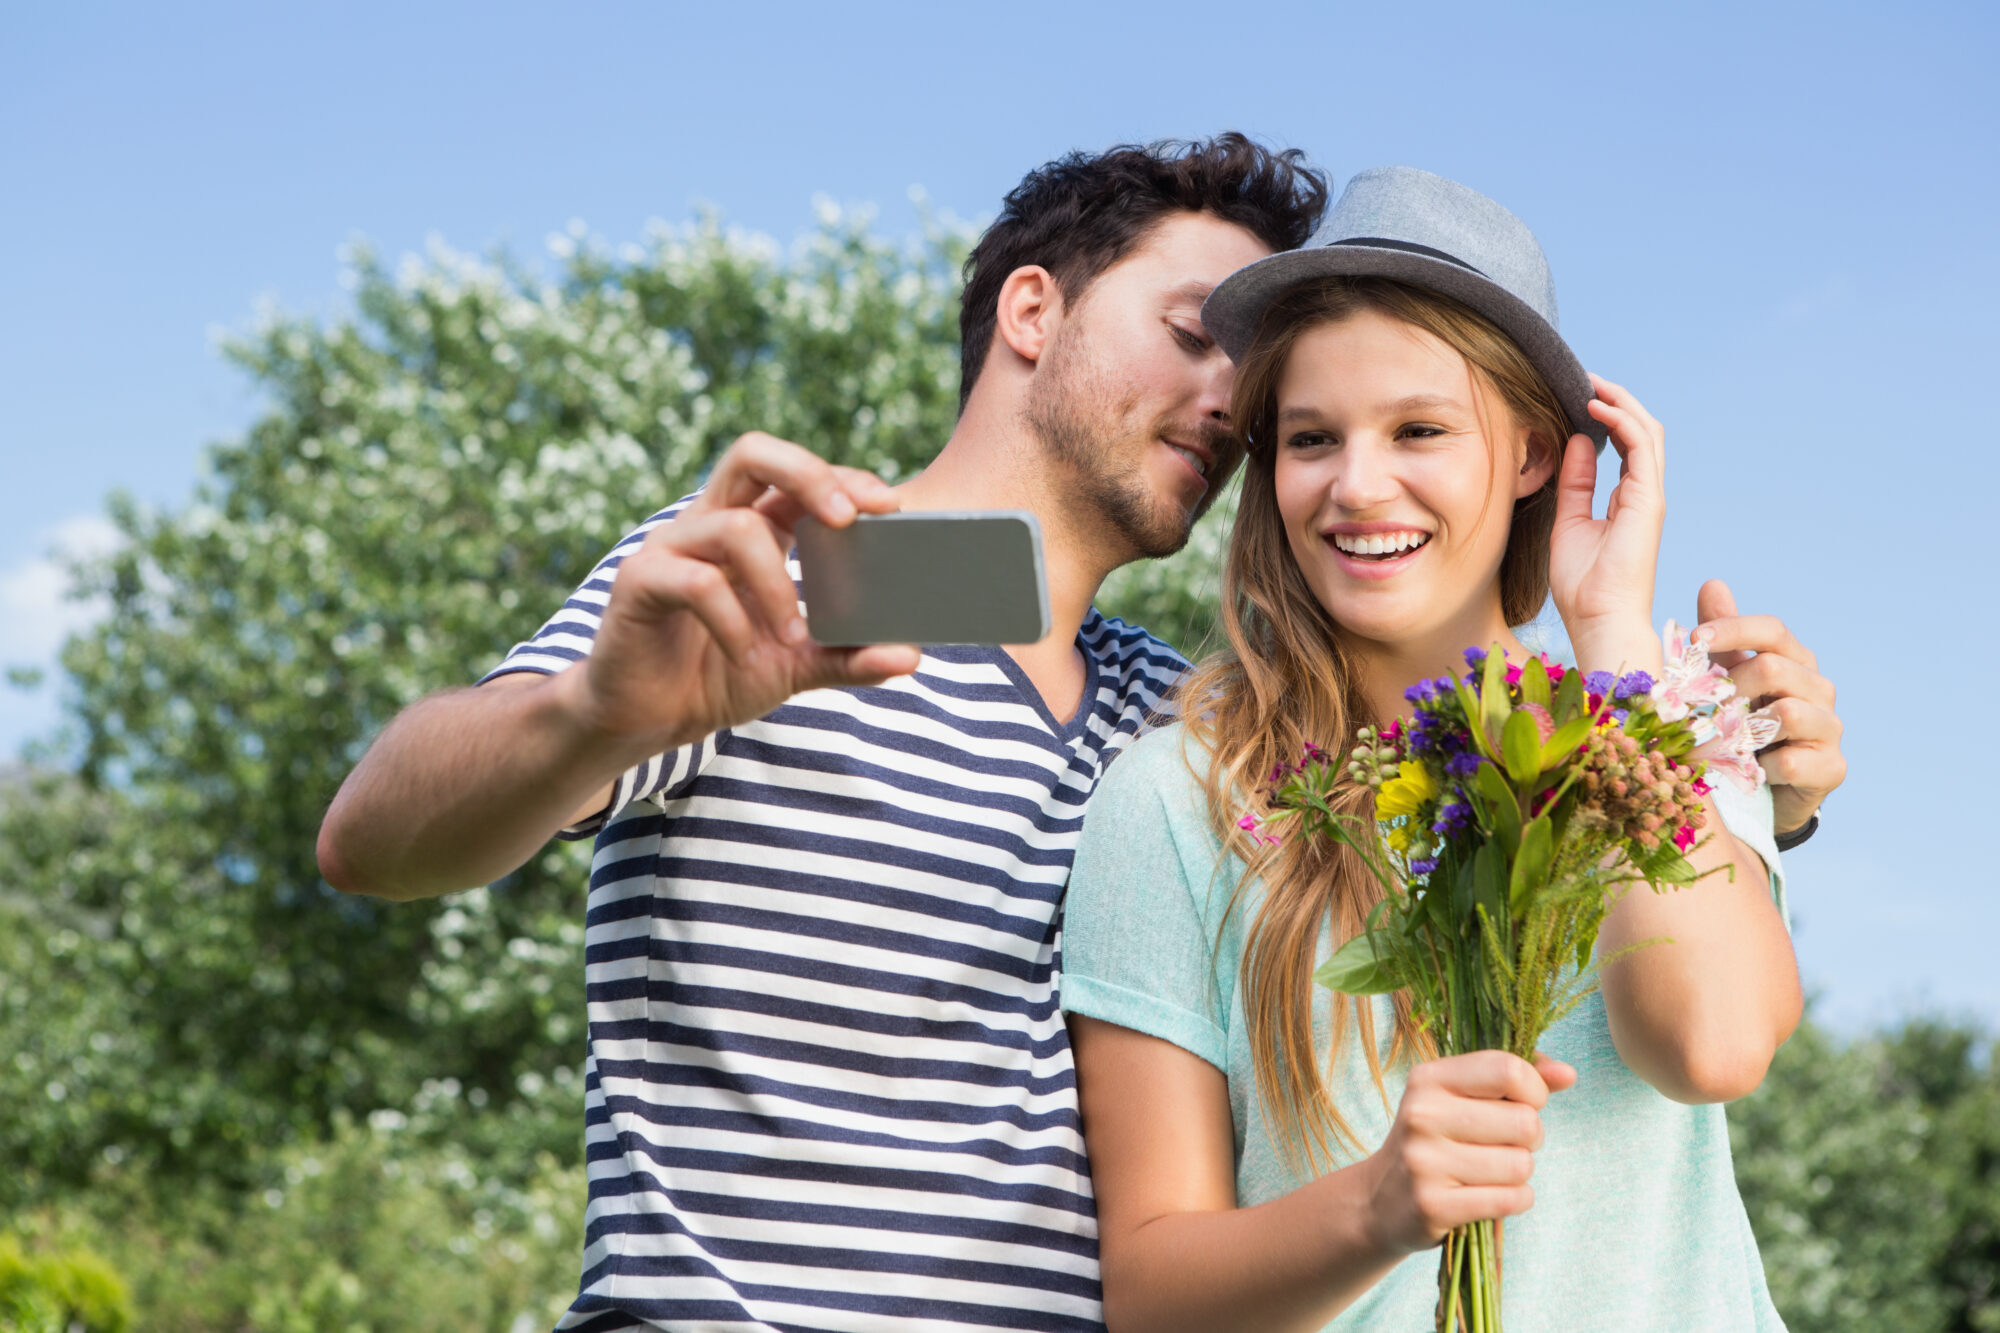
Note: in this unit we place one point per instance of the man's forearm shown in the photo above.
(463, 788)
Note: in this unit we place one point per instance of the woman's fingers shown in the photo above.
(1493, 1074)
(1620, 396)
(1576, 483)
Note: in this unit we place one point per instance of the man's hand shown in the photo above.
(702, 630)
(1804, 762)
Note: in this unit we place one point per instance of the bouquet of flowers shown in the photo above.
(1512, 810)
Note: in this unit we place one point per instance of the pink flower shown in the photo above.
(1250, 826)
(1545, 724)
(1689, 679)
(1739, 735)
(1683, 837)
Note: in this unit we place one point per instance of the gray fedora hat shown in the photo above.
(1429, 232)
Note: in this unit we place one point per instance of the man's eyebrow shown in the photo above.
(1194, 292)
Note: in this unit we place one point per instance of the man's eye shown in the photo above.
(1194, 342)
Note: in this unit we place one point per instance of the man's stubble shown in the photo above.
(1097, 441)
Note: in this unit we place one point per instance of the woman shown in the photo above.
(1267, 1155)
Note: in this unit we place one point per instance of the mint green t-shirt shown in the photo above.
(1637, 1224)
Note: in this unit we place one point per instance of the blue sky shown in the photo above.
(1776, 223)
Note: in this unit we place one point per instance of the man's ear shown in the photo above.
(1539, 464)
(1030, 308)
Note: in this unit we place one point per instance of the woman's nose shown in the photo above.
(1362, 479)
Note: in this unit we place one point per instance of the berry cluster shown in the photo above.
(1639, 791)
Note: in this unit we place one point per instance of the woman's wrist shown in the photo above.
(1622, 646)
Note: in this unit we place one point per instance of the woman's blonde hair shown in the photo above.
(1286, 680)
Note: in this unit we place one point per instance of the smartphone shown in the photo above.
(948, 577)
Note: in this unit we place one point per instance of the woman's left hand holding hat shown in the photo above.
(1601, 570)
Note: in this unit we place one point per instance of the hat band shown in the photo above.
(1384, 243)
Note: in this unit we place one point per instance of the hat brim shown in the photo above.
(1236, 307)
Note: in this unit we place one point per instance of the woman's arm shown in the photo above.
(1178, 1253)
(1700, 1017)
(1700, 1013)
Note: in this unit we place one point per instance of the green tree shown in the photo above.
(1871, 1173)
(432, 475)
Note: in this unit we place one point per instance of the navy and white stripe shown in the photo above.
(828, 1086)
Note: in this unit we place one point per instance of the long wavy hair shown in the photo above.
(1286, 679)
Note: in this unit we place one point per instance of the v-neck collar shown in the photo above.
(1064, 732)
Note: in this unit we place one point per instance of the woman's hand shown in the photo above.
(1601, 570)
(1462, 1148)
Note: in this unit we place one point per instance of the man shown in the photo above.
(828, 1086)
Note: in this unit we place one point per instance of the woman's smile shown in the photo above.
(1376, 550)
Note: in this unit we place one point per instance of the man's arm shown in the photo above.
(701, 632)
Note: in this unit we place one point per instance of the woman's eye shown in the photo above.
(1420, 432)
(1309, 439)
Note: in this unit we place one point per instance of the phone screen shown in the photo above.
(925, 578)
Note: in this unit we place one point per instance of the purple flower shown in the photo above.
(1463, 765)
(1421, 691)
(1423, 865)
(1619, 715)
(1452, 818)
(1599, 682)
(1634, 682)
(1475, 659)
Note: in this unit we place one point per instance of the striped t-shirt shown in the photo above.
(828, 1086)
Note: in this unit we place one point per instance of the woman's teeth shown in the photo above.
(1380, 544)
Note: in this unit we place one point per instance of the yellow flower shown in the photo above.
(1407, 792)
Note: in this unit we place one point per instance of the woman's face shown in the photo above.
(1396, 476)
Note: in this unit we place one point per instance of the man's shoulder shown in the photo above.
(1131, 650)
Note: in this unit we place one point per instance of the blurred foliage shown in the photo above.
(182, 1000)
(1871, 1172)
(68, 1290)
(261, 1104)
(361, 1231)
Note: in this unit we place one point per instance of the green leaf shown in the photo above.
(1469, 701)
(1569, 697)
(1665, 865)
(1562, 745)
(1531, 863)
(1535, 683)
(1486, 878)
(1502, 809)
(1494, 705)
(1356, 969)
(1521, 743)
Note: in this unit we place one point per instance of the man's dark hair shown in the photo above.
(1080, 214)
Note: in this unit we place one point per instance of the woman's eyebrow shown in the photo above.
(1418, 402)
